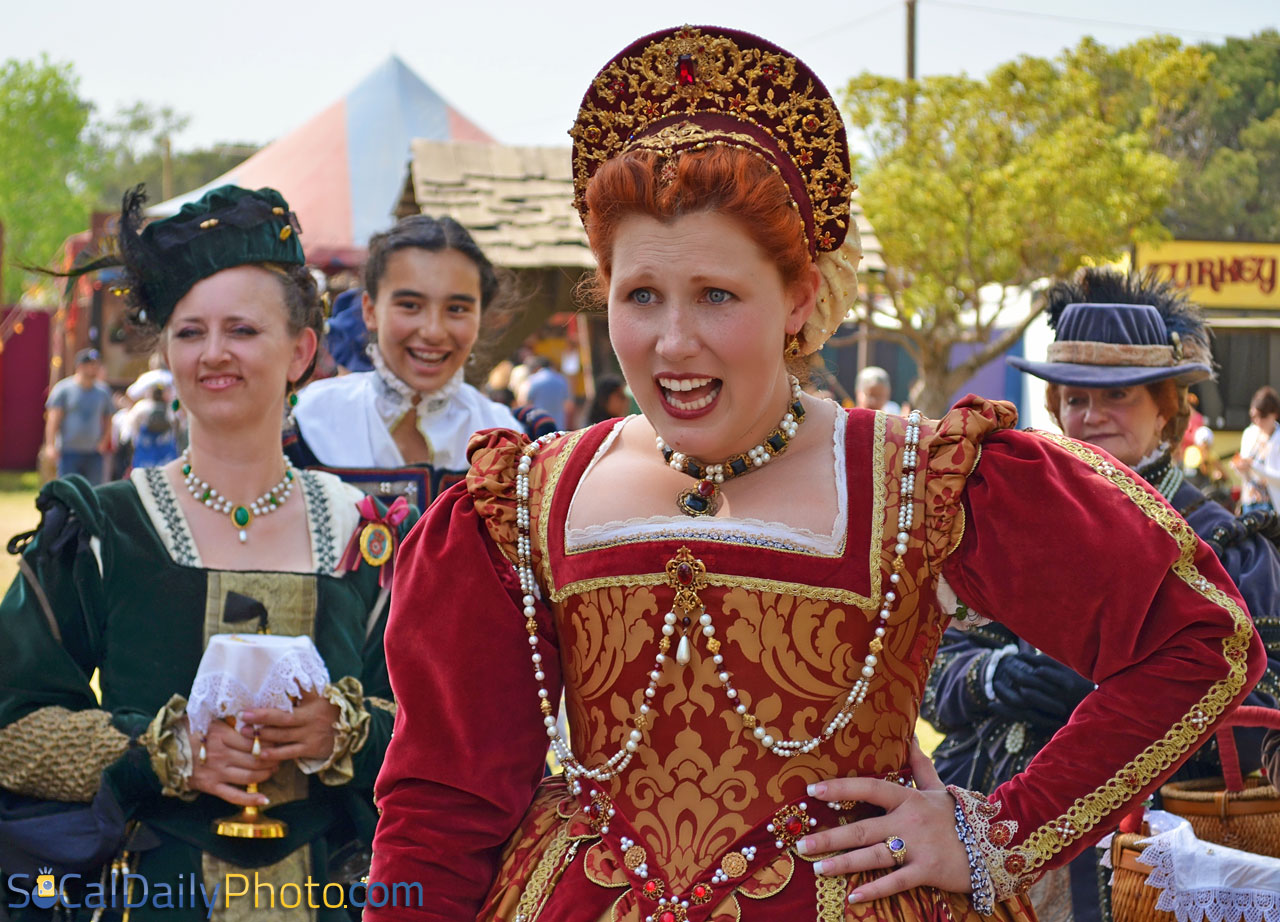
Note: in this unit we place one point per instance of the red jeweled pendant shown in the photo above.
(686, 70)
(684, 573)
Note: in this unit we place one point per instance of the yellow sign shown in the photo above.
(1218, 274)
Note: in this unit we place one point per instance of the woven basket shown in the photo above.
(1232, 811)
(1248, 819)
(1131, 899)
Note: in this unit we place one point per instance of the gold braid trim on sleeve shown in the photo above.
(352, 728)
(169, 745)
(1013, 868)
(382, 704)
(57, 754)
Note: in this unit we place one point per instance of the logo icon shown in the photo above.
(46, 891)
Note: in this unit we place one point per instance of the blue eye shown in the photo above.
(718, 296)
(642, 296)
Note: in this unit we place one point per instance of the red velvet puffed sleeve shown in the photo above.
(1078, 556)
(469, 743)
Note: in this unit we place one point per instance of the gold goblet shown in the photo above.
(250, 823)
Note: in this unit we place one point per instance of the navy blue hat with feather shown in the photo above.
(1118, 329)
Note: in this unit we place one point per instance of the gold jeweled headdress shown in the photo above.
(695, 86)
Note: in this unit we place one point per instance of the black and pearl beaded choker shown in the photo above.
(703, 498)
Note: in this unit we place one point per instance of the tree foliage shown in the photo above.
(58, 162)
(1229, 183)
(42, 164)
(131, 149)
(995, 183)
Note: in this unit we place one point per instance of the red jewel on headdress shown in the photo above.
(825, 240)
(684, 573)
(769, 70)
(811, 123)
(618, 86)
(736, 103)
(686, 70)
(805, 157)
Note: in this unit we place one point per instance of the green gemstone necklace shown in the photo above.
(241, 516)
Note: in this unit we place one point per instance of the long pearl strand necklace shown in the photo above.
(615, 764)
(241, 516)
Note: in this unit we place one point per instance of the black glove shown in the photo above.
(1037, 689)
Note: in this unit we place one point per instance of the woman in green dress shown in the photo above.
(132, 579)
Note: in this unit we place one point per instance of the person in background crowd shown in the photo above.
(736, 591)
(121, 434)
(997, 699)
(1206, 474)
(77, 427)
(403, 427)
(155, 374)
(1258, 462)
(548, 390)
(345, 335)
(131, 579)
(153, 430)
(611, 400)
(534, 421)
(871, 391)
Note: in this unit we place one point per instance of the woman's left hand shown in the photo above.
(922, 817)
(306, 732)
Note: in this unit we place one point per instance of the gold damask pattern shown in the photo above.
(1012, 867)
(954, 450)
(57, 754)
(690, 77)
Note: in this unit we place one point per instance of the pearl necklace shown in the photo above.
(785, 748)
(241, 516)
(703, 498)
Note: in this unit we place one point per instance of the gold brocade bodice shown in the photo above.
(793, 628)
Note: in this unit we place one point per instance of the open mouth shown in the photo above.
(429, 358)
(689, 394)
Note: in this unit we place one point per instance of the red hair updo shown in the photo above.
(719, 179)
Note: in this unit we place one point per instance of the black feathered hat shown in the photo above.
(226, 227)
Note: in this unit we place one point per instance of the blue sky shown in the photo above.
(251, 71)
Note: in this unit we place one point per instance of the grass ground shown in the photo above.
(17, 514)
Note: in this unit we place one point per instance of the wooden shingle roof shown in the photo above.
(518, 202)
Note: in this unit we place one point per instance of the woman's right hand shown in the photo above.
(229, 766)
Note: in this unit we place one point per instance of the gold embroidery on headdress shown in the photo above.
(691, 75)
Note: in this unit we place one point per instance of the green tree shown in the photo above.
(133, 147)
(984, 186)
(1229, 182)
(42, 164)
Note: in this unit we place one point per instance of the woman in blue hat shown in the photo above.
(1127, 349)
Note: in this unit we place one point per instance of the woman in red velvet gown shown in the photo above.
(737, 591)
